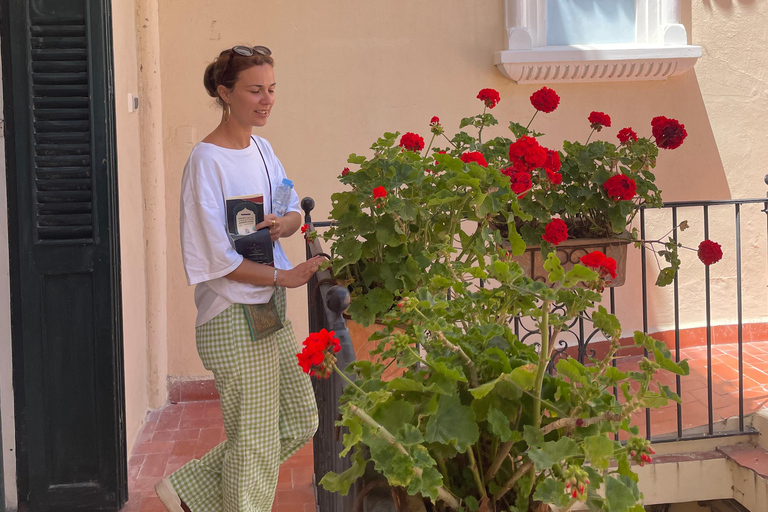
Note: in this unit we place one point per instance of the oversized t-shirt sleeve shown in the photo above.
(205, 246)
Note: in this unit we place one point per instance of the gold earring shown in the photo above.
(227, 113)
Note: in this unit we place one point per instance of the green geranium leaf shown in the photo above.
(668, 364)
(394, 414)
(430, 481)
(621, 494)
(341, 482)
(379, 301)
(555, 269)
(606, 322)
(666, 277)
(452, 374)
(355, 434)
(515, 240)
(579, 273)
(533, 436)
(356, 159)
(452, 424)
(518, 129)
(499, 424)
(552, 452)
(598, 450)
(409, 434)
(552, 491)
(572, 369)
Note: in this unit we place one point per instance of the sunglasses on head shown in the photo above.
(245, 51)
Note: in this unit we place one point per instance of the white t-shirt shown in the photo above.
(212, 174)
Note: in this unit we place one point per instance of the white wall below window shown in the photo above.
(6, 382)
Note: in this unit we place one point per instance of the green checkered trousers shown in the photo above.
(269, 412)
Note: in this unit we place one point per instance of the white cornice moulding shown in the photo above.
(596, 63)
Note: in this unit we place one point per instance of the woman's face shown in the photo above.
(253, 95)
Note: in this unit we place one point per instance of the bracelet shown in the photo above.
(274, 281)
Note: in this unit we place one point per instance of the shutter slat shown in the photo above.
(63, 137)
(67, 114)
(62, 149)
(64, 220)
(61, 126)
(62, 185)
(68, 196)
(62, 173)
(65, 232)
(69, 102)
(58, 42)
(46, 54)
(57, 30)
(60, 90)
(60, 78)
(63, 160)
(57, 208)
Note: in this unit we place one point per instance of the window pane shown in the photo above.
(590, 21)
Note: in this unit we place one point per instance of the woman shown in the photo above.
(242, 333)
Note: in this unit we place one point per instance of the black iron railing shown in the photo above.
(581, 339)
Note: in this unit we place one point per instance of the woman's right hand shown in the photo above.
(300, 274)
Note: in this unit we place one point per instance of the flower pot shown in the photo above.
(363, 346)
(571, 251)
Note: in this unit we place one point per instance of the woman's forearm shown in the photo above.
(289, 223)
(253, 273)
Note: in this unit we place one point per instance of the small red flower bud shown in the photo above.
(345, 171)
(401, 304)
(586, 481)
(632, 453)
(581, 489)
(579, 422)
(575, 493)
(568, 485)
(651, 451)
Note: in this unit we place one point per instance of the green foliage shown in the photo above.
(474, 419)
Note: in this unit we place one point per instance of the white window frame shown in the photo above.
(660, 49)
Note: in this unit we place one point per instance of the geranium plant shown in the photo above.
(475, 422)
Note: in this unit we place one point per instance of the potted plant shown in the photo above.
(586, 191)
(474, 422)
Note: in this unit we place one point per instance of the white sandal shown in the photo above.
(167, 494)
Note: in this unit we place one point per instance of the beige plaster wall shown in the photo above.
(348, 71)
(131, 218)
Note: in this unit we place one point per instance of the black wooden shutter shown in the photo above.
(64, 254)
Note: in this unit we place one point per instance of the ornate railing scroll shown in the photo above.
(327, 302)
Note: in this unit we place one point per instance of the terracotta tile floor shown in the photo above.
(725, 386)
(179, 432)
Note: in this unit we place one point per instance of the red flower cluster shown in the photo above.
(316, 358)
(345, 171)
(545, 100)
(710, 252)
(474, 156)
(555, 232)
(490, 97)
(669, 133)
(435, 126)
(379, 193)
(412, 142)
(526, 154)
(598, 261)
(304, 228)
(552, 167)
(626, 135)
(598, 120)
(620, 187)
(519, 181)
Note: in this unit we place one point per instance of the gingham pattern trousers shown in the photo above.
(269, 412)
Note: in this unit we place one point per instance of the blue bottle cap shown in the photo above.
(287, 182)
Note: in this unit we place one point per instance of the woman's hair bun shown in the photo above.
(209, 81)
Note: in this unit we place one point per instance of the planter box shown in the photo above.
(571, 251)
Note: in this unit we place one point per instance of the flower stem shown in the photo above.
(426, 153)
(349, 381)
(476, 472)
(590, 136)
(543, 362)
(529, 122)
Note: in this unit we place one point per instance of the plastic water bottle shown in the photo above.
(282, 197)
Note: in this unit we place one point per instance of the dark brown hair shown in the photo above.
(215, 72)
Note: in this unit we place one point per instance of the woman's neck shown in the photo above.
(230, 135)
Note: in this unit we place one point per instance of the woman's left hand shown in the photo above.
(273, 222)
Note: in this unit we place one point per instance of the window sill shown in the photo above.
(596, 63)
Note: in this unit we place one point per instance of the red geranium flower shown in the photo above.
(434, 120)
(598, 120)
(412, 142)
(669, 133)
(527, 151)
(710, 252)
(545, 100)
(490, 97)
(554, 177)
(316, 358)
(519, 181)
(555, 232)
(379, 193)
(474, 156)
(345, 171)
(627, 134)
(600, 262)
(304, 228)
(620, 187)
(435, 126)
